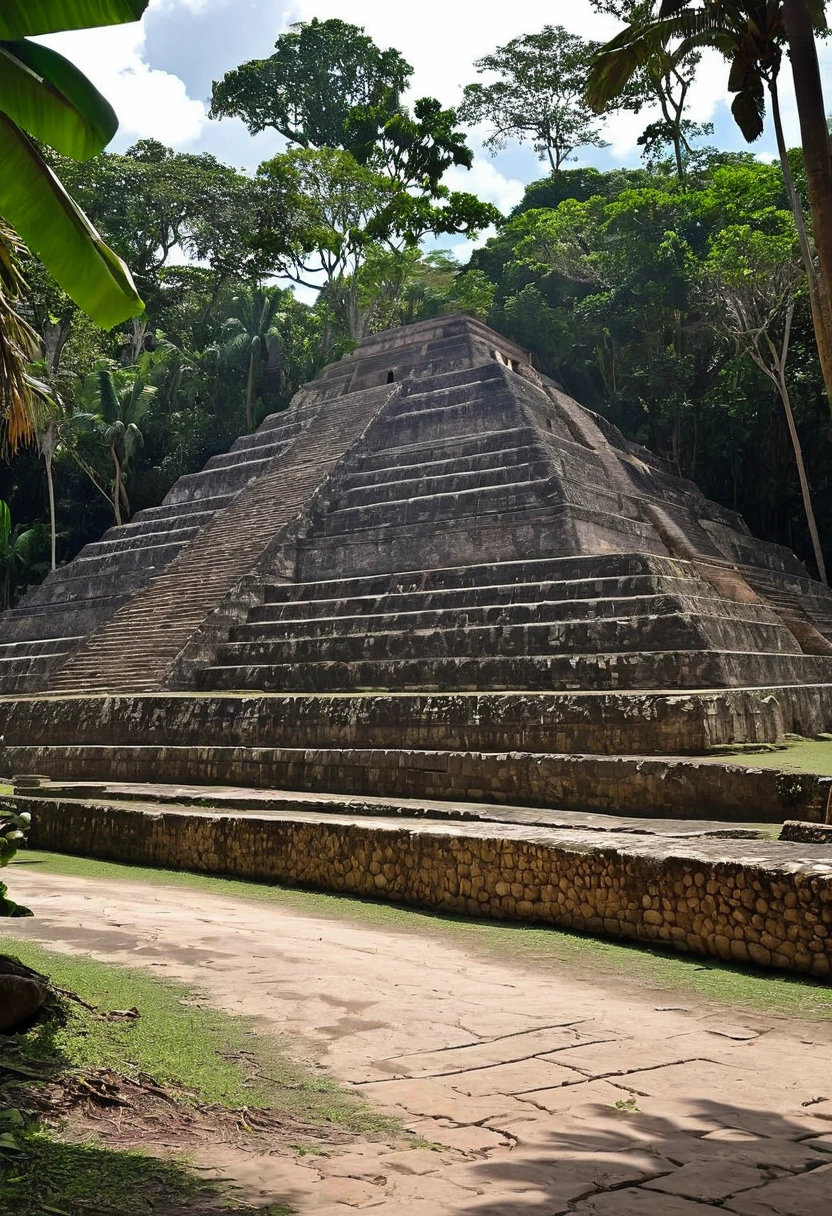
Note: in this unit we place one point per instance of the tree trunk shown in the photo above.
(250, 390)
(801, 473)
(51, 487)
(819, 302)
(814, 133)
(116, 487)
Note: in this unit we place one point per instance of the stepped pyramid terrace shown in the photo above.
(439, 634)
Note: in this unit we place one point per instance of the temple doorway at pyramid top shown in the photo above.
(421, 350)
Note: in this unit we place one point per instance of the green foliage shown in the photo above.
(307, 90)
(329, 222)
(13, 826)
(538, 95)
(44, 96)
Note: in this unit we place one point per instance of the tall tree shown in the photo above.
(307, 90)
(538, 96)
(750, 35)
(756, 277)
(663, 78)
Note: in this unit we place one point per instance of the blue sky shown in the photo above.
(158, 73)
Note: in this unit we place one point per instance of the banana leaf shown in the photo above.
(20, 18)
(46, 95)
(36, 205)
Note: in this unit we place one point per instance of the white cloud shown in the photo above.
(149, 103)
(488, 183)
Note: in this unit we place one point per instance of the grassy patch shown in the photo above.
(793, 755)
(182, 1042)
(47, 1177)
(629, 964)
(196, 1054)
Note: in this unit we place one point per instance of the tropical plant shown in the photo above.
(119, 402)
(663, 78)
(252, 338)
(44, 99)
(20, 392)
(18, 551)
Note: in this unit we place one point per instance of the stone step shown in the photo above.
(578, 880)
(671, 631)
(494, 441)
(430, 508)
(431, 467)
(261, 625)
(112, 547)
(630, 670)
(181, 510)
(466, 419)
(446, 482)
(588, 571)
(246, 455)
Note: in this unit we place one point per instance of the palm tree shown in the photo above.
(21, 395)
(119, 402)
(750, 36)
(252, 339)
(17, 552)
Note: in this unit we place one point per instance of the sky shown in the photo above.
(158, 74)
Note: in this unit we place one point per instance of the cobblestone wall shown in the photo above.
(758, 902)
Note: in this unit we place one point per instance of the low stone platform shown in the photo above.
(578, 752)
(742, 899)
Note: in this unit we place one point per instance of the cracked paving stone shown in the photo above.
(800, 1195)
(822, 1143)
(508, 1049)
(637, 1202)
(431, 1100)
(563, 1177)
(512, 1078)
(709, 1180)
(415, 1161)
(789, 1156)
(570, 1097)
(471, 1139)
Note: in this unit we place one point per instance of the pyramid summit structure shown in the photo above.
(430, 515)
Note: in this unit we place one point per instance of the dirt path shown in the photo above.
(551, 1094)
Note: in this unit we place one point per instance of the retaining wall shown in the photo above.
(620, 785)
(745, 901)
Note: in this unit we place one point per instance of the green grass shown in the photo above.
(200, 1053)
(637, 967)
(182, 1042)
(794, 755)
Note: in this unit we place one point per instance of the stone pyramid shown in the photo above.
(433, 515)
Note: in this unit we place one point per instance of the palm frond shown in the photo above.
(20, 392)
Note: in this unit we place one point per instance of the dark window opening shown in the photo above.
(391, 377)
